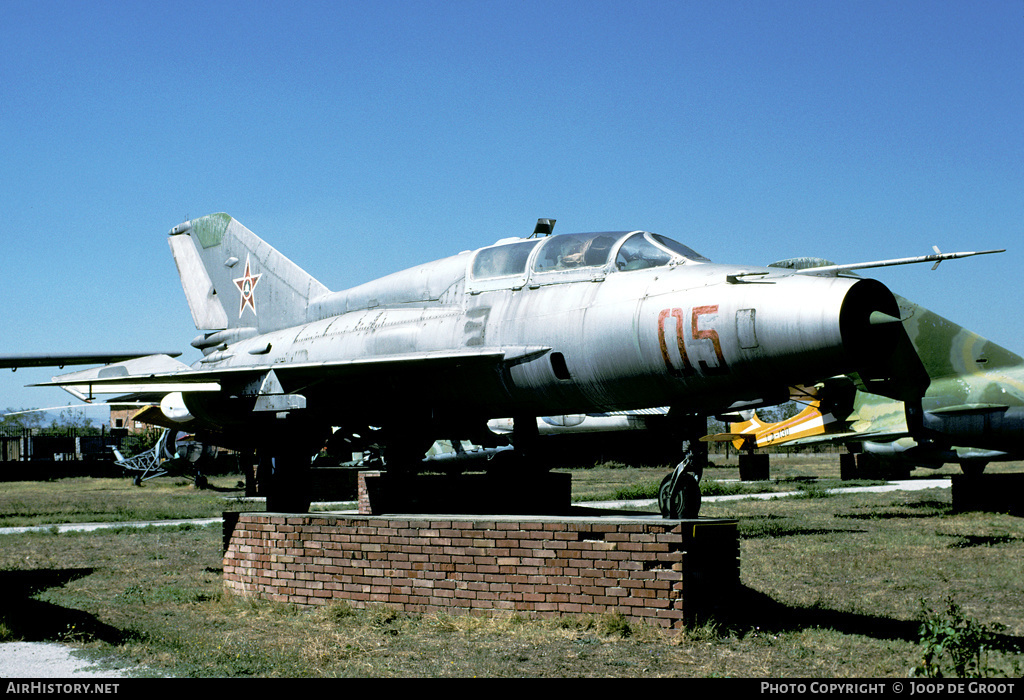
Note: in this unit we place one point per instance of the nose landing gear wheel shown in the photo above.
(679, 496)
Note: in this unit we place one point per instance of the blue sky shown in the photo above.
(361, 138)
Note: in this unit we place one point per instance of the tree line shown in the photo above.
(16, 421)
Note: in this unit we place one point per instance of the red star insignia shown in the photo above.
(247, 286)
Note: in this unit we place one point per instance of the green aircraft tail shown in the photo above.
(949, 350)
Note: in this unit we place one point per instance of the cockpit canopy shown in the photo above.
(511, 264)
(624, 251)
(503, 260)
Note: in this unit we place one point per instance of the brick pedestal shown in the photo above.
(666, 572)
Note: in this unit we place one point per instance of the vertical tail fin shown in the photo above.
(234, 280)
(947, 349)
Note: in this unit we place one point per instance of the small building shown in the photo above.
(123, 419)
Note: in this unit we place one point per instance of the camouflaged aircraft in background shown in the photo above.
(972, 412)
(545, 325)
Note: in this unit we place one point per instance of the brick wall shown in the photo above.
(668, 573)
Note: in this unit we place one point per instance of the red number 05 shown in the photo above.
(687, 367)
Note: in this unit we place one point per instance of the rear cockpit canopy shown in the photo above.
(503, 260)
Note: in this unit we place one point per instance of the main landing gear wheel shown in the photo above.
(679, 495)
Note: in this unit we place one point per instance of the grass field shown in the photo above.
(859, 585)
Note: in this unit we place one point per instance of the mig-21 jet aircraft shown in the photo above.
(536, 326)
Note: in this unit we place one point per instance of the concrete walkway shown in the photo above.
(32, 660)
(86, 527)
